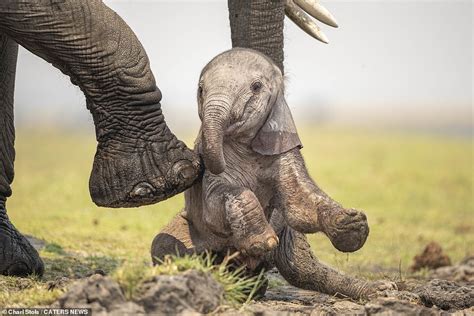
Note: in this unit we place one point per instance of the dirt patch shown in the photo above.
(99, 293)
(190, 292)
(424, 298)
(414, 297)
(196, 292)
(432, 257)
(462, 272)
(447, 295)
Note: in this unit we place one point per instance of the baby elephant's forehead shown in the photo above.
(239, 62)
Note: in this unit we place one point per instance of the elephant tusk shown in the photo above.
(317, 11)
(300, 18)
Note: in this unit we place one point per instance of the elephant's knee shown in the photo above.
(166, 244)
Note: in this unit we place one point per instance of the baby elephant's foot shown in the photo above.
(347, 229)
(258, 245)
(252, 234)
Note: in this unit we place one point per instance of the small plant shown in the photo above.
(238, 287)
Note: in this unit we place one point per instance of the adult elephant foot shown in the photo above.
(17, 255)
(298, 265)
(131, 171)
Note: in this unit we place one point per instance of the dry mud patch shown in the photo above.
(195, 292)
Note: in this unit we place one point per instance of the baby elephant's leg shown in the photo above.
(235, 212)
(308, 209)
(174, 239)
(252, 234)
(298, 265)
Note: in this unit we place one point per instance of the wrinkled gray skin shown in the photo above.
(256, 186)
(138, 160)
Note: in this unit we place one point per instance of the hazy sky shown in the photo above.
(385, 53)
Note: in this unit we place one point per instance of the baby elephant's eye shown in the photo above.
(200, 92)
(256, 86)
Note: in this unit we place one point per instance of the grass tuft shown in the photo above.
(22, 292)
(238, 287)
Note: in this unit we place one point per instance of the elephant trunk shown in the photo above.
(214, 122)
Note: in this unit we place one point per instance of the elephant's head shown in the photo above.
(241, 96)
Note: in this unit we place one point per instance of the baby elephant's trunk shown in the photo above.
(214, 122)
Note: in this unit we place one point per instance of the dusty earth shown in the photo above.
(445, 290)
(192, 291)
(197, 293)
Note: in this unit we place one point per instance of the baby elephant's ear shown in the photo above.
(278, 134)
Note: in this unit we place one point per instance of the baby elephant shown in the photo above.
(251, 152)
(256, 195)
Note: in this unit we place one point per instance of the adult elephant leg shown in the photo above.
(298, 265)
(309, 209)
(17, 256)
(139, 160)
(258, 24)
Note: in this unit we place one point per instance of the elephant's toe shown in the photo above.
(258, 245)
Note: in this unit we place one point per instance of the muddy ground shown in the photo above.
(446, 290)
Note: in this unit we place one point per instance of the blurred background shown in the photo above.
(384, 112)
(404, 64)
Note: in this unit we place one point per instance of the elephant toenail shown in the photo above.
(272, 243)
(185, 170)
(141, 190)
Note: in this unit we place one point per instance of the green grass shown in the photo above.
(414, 189)
(238, 288)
